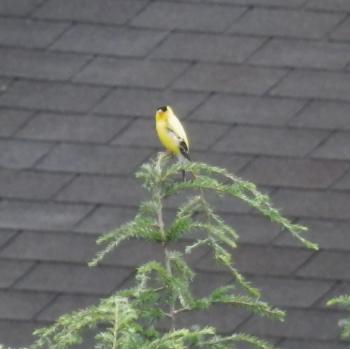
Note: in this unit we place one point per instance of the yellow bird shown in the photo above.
(172, 134)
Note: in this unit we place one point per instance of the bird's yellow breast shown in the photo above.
(165, 138)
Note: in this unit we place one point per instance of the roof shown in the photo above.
(263, 89)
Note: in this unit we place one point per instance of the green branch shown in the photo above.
(130, 319)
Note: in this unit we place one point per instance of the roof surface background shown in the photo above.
(263, 87)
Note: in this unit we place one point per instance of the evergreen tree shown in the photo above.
(130, 319)
(342, 302)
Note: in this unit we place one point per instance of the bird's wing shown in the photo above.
(174, 126)
(177, 131)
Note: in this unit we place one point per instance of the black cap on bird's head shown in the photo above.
(164, 112)
(164, 108)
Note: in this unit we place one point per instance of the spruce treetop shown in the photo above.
(148, 315)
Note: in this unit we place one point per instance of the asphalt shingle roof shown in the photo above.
(263, 87)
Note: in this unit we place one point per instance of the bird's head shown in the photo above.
(163, 113)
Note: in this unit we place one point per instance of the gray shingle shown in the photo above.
(72, 279)
(130, 72)
(104, 219)
(343, 183)
(308, 344)
(122, 101)
(51, 96)
(315, 84)
(30, 184)
(268, 260)
(225, 318)
(11, 271)
(103, 11)
(22, 305)
(229, 78)
(254, 140)
(205, 283)
(260, 260)
(66, 303)
(259, 3)
(294, 172)
(288, 292)
(300, 324)
(204, 135)
(223, 204)
(5, 83)
(45, 246)
(233, 163)
(18, 7)
(58, 127)
(276, 22)
(333, 5)
(18, 154)
(103, 190)
(11, 120)
(109, 40)
(252, 229)
(324, 115)
(204, 47)
(336, 147)
(39, 65)
(5, 236)
(247, 110)
(327, 233)
(313, 204)
(133, 253)
(32, 215)
(303, 54)
(327, 264)
(17, 333)
(94, 159)
(28, 33)
(342, 32)
(187, 16)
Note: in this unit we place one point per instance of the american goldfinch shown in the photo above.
(172, 134)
